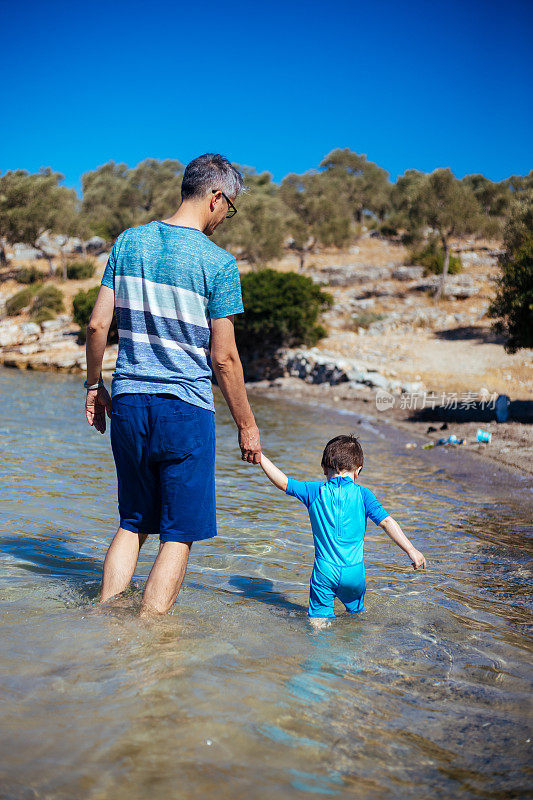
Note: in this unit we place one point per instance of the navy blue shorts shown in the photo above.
(164, 451)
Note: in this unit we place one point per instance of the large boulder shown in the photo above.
(408, 273)
(350, 275)
(23, 252)
(95, 245)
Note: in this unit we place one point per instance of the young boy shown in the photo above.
(338, 510)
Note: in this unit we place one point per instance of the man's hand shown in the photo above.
(419, 562)
(250, 444)
(96, 405)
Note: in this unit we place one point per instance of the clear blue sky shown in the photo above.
(273, 85)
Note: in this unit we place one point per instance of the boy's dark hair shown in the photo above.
(342, 454)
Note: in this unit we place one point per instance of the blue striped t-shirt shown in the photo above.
(169, 281)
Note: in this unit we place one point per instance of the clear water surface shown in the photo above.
(427, 694)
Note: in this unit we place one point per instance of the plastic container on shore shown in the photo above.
(502, 408)
(451, 439)
(483, 436)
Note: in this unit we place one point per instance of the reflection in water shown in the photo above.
(425, 695)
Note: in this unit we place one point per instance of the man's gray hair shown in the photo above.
(208, 172)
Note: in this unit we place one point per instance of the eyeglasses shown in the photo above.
(231, 208)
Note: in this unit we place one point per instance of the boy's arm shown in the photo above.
(278, 478)
(392, 529)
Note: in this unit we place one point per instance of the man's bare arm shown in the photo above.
(228, 372)
(392, 529)
(98, 401)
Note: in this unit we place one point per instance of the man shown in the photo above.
(175, 294)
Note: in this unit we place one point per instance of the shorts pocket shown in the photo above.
(175, 435)
(121, 435)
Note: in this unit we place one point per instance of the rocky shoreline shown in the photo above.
(52, 345)
(511, 445)
(309, 376)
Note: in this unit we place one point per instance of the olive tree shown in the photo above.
(32, 204)
(513, 305)
(448, 207)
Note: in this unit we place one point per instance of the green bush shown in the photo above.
(512, 307)
(281, 310)
(20, 300)
(47, 303)
(365, 318)
(43, 315)
(44, 302)
(80, 270)
(28, 275)
(50, 297)
(431, 257)
(82, 306)
(387, 229)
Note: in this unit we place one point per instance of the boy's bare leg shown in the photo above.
(120, 562)
(165, 578)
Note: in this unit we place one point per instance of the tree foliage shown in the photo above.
(448, 207)
(31, 204)
(116, 197)
(281, 310)
(431, 257)
(513, 305)
(256, 233)
(365, 186)
(82, 308)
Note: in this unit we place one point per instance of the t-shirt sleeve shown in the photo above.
(108, 278)
(226, 298)
(373, 507)
(305, 491)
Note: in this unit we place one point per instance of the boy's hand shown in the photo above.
(419, 562)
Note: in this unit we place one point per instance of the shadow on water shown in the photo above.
(54, 561)
(262, 590)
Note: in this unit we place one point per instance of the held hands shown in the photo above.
(97, 404)
(419, 562)
(250, 444)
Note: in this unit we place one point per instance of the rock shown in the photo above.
(408, 273)
(412, 387)
(52, 325)
(23, 252)
(30, 330)
(366, 302)
(460, 292)
(95, 245)
(29, 349)
(375, 379)
(65, 363)
(316, 367)
(10, 334)
(102, 258)
(350, 274)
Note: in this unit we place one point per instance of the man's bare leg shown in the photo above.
(165, 578)
(120, 562)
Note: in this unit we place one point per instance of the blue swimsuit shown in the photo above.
(338, 511)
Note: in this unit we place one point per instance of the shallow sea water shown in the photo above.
(233, 695)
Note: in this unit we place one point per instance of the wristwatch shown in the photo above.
(89, 386)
